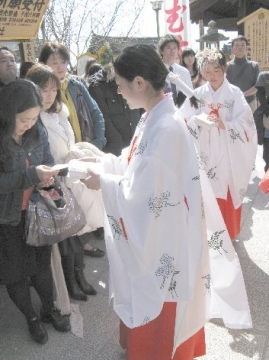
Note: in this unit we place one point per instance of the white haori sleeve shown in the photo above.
(228, 293)
(221, 293)
(114, 164)
(154, 238)
(242, 146)
(91, 202)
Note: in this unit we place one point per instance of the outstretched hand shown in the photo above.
(93, 180)
(46, 175)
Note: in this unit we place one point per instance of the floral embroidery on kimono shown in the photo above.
(167, 255)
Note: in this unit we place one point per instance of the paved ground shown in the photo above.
(100, 341)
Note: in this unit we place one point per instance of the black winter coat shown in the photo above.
(120, 120)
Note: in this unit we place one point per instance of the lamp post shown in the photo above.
(156, 6)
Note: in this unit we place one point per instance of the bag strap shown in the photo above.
(76, 83)
(78, 91)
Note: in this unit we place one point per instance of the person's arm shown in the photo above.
(253, 89)
(97, 118)
(47, 157)
(26, 178)
(261, 93)
(262, 99)
(250, 91)
(18, 180)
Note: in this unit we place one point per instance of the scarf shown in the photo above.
(67, 99)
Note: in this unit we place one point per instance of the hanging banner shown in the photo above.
(177, 20)
(21, 19)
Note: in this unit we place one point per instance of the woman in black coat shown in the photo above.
(120, 120)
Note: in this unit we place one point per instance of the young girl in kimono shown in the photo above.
(61, 139)
(224, 134)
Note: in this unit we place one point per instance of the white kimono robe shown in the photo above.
(155, 232)
(228, 156)
(62, 140)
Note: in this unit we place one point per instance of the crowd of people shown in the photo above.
(176, 144)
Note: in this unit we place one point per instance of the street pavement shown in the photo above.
(100, 324)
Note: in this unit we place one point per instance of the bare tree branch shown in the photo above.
(73, 22)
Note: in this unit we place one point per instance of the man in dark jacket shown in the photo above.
(120, 120)
(242, 72)
(8, 66)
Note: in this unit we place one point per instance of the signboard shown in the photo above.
(21, 19)
(177, 20)
(28, 51)
(256, 28)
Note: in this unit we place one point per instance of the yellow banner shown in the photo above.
(21, 19)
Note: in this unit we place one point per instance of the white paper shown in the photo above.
(204, 120)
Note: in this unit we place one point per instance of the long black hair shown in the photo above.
(141, 60)
(186, 52)
(16, 97)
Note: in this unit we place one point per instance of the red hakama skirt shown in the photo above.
(231, 216)
(154, 341)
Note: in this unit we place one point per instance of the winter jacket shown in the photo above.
(96, 114)
(120, 120)
(15, 177)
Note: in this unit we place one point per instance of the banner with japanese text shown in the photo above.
(21, 19)
(177, 20)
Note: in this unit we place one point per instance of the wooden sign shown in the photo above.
(20, 20)
(28, 51)
(256, 30)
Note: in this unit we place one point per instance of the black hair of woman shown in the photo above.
(187, 52)
(16, 97)
(88, 64)
(94, 68)
(41, 75)
(141, 60)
